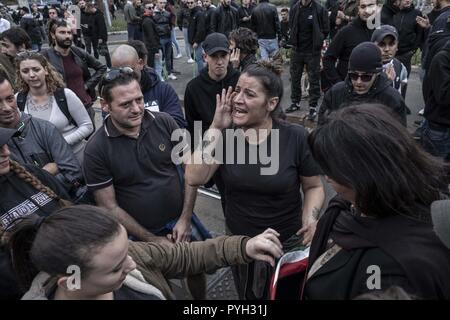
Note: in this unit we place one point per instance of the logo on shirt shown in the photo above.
(162, 147)
(25, 208)
(152, 105)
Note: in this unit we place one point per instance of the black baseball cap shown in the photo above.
(383, 31)
(216, 42)
(5, 135)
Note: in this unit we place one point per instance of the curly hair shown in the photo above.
(245, 39)
(53, 79)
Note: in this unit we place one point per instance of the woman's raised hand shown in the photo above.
(224, 107)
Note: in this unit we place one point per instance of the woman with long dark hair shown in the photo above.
(261, 188)
(377, 232)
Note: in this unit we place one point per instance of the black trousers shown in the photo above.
(312, 63)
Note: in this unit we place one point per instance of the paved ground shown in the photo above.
(220, 285)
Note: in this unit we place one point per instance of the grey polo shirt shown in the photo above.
(145, 179)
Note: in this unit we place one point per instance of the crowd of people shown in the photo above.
(117, 201)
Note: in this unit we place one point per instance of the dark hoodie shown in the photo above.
(388, 11)
(160, 96)
(410, 34)
(19, 199)
(200, 97)
(342, 94)
(436, 88)
(341, 47)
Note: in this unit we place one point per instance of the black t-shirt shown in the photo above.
(19, 199)
(255, 201)
(146, 181)
(305, 29)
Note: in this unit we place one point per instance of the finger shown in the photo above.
(218, 102)
(302, 230)
(224, 95)
(270, 230)
(274, 239)
(266, 258)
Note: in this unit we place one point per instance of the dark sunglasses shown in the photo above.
(366, 77)
(113, 74)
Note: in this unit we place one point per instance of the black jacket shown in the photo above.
(83, 59)
(150, 34)
(244, 13)
(208, 14)
(265, 21)
(341, 47)
(341, 95)
(99, 26)
(388, 11)
(407, 252)
(436, 88)
(183, 16)
(321, 25)
(196, 28)
(411, 35)
(163, 23)
(15, 202)
(224, 20)
(436, 41)
(200, 97)
(32, 28)
(86, 23)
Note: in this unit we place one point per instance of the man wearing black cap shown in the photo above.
(365, 82)
(386, 38)
(200, 94)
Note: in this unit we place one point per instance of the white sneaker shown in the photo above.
(172, 76)
(178, 56)
(190, 60)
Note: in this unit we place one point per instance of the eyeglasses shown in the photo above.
(113, 74)
(365, 77)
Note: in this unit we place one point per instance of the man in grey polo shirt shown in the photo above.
(128, 164)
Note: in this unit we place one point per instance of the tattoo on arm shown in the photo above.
(315, 213)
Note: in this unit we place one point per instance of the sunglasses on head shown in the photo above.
(113, 74)
(365, 77)
(28, 54)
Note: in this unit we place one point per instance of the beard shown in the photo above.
(64, 43)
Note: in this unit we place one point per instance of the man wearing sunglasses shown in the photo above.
(365, 82)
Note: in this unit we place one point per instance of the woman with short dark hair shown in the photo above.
(377, 231)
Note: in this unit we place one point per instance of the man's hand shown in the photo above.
(424, 22)
(182, 231)
(51, 168)
(265, 247)
(235, 57)
(390, 72)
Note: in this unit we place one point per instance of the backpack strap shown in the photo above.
(61, 100)
(21, 100)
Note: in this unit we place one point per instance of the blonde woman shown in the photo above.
(42, 94)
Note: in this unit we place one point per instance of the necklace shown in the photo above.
(34, 107)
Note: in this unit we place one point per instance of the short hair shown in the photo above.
(285, 10)
(105, 86)
(245, 39)
(140, 48)
(365, 148)
(55, 23)
(17, 36)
